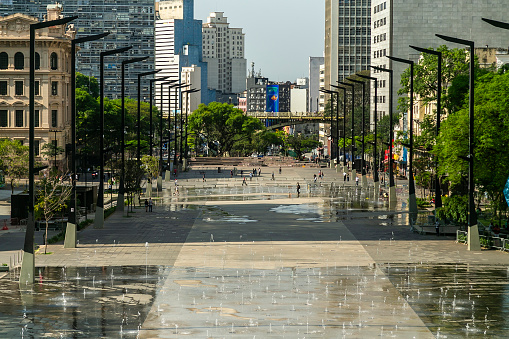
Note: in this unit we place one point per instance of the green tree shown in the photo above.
(301, 144)
(491, 168)
(13, 160)
(151, 166)
(52, 195)
(88, 84)
(133, 174)
(222, 126)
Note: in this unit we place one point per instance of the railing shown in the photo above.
(486, 241)
(287, 115)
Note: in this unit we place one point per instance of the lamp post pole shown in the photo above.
(352, 146)
(375, 118)
(412, 201)
(473, 230)
(438, 194)
(71, 228)
(26, 278)
(176, 87)
(121, 188)
(138, 132)
(99, 211)
(364, 180)
(151, 105)
(392, 187)
(344, 126)
(188, 105)
(334, 139)
(161, 133)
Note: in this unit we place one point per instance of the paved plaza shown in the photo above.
(221, 260)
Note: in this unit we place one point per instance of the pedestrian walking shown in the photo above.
(203, 176)
(298, 190)
(437, 228)
(279, 169)
(176, 183)
(344, 176)
(272, 175)
(259, 171)
(241, 173)
(146, 205)
(254, 172)
(231, 174)
(244, 182)
(356, 181)
(250, 176)
(314, 178)
(150, 204)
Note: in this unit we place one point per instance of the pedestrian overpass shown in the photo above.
(275, 120)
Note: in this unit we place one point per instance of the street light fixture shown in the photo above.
(176, 87)
(412, 200)
(363, 169)
(392, 187)
(141, 75)
(99, 211)
(151, 104)
(473, 230)
(344, 125)
(438, 193)
(352, 145)
(334, 140)
(71, 229)
(188, 105)
(26, 278)
(159, 180)
(121, 188)
(375, 118)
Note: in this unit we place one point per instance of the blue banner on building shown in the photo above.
(506, 191)
(272, 98)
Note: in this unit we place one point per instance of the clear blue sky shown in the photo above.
(281, 35)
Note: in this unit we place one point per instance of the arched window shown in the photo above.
(4, 60)
(19, 61)
(37, 61)
(53, 60)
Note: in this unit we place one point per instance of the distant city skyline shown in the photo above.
(280, 35)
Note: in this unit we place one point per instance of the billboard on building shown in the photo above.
(272, 98)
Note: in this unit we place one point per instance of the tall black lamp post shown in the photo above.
(161, 132)
(71, 229)
(344, 126)
(473, 230)
(352, 146)
(188, 92)
(364, 181)
(392, 186)
(375, 118)
(438, 194)
(138, 131)
(334, 151)
(26, 278)
(412, 201)
(151, 95)
(99, 211)
(176, 87)
(121, 188)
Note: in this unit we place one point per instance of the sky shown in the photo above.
(280, 35)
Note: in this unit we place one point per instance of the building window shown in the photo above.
(3, 118)
(18, 87)
(53, 61)
(3, 87)
(19, 118)
(54, 88)
(36, 118)
(4, 60)
(37, 61)
(54, 118)
(36, 88)
(36, 147)
(19, 61)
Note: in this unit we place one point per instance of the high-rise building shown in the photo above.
(223, 50)
(178, 44)
(396, 24)
(52, 81)
(129, 24)
(347, 38)
(314, 82)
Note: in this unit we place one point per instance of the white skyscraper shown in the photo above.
(223, 50)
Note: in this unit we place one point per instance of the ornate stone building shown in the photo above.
(52, 81)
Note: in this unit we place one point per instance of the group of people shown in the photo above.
(148, 205)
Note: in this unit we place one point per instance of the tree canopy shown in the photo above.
(221, 126)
